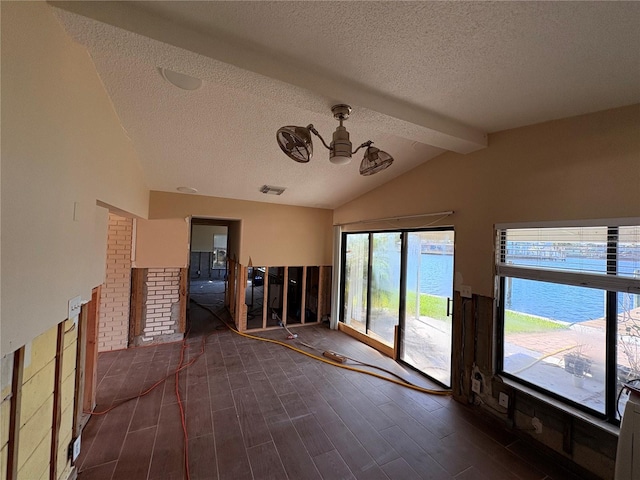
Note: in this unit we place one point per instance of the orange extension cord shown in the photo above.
(181, 366)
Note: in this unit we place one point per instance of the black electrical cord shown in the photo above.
(620, 394)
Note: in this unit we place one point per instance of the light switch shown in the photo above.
(75, 304)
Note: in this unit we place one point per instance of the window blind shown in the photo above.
(606, 257)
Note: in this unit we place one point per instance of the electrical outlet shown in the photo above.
(74, 449)
(503, 400)
(465, 291)
(476, 386)
(537, 424)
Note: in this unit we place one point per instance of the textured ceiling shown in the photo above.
(423, 77)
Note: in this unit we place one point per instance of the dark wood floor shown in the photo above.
(256, 410)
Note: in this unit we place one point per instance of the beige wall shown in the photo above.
(202, 237)
(62, 144)
(162, 243)
(585, 167)
(271, 234)
(234, 239)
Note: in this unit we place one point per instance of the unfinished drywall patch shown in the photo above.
(114, 302)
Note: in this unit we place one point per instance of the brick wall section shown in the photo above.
(113, 328)
(162, 304)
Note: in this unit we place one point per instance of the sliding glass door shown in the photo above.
(403, 278)
(426, 338)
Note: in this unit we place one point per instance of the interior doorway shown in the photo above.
(208, 264)
(209, 253)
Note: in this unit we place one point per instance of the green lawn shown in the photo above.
(430, 306)
(516, 322)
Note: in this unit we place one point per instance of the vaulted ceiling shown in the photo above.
(422, 78)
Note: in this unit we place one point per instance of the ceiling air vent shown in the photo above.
(271, 190)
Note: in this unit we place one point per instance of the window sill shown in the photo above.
(574, 412)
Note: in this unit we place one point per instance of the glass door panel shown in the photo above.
(427, 329)
(385, 286)
(355, 280)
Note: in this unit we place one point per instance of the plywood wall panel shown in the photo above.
(38, 461)
(32, 434)
(36, 391)
(40, 353)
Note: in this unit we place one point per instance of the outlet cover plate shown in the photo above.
(475, 386)
(465, 291)
(537, 424)
(75, 452)
(503, 400)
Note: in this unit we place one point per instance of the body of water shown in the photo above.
(550, 300)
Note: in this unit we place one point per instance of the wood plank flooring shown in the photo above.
(256, 410)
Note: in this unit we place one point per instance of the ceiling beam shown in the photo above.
(388, 114)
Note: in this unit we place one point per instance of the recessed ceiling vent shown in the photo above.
(271, 190)
(180, 80)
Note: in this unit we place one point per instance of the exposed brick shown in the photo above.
(114, 303)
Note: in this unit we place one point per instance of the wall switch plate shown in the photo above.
(465, 291)
(476, 386)
(75, 304)
(503, 400)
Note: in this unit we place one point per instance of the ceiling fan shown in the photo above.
(296, 143)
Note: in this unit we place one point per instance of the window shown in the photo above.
(569, 310)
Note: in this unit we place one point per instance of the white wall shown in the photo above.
(63, 149)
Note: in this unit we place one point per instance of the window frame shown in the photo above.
(609, 282)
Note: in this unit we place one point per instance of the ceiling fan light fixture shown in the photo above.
(374, 161)
(340, 153)
(295, 142)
